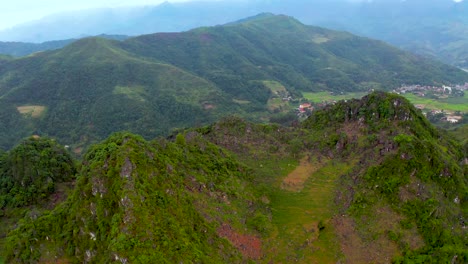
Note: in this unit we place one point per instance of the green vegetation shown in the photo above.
(143, 202)
(31, 171)
(95, 86)
(233, 191)
(359, 181)
(319, 97)
(303, 219)
(448, 104)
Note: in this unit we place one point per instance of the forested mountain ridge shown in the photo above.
(434, 28)
(362, 181)
(83, 92)
(279, 46)
(20, 49)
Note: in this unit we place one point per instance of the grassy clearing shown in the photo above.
(241, 102)
(319, 39)
(274, 86)
(296, 179)
(448, 104)
(276, 102)
(303, 232)
(133, 92)
(326, 96)
(34, 111)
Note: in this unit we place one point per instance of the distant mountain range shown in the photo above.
(436, 28)
(19, 49)
(155, 83)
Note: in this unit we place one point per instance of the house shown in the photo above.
(453, 119)
(305, 106)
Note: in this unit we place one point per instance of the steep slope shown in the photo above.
(372, 182)
(363, 181)
(143, 202)
(410, 181)
(91, 88)
(34, 176)
(31, 171)
(300, 57)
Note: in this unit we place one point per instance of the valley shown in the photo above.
(95, 86)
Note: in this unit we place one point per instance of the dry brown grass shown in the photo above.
(34, 111)
(296, 179)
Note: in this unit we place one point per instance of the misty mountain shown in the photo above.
(433, 28)
(18, 49)
(95, 86)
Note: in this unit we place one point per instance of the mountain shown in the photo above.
(82, 93)
(362, 181)
(19, 49)
(436, 28)
(146, 202)
(432, 28)
(32, 171)
(94, 86)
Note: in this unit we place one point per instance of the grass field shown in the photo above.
(274, 86)
(449, 104)
(134, 92)
(302, 218)
(31, 110)
(276, 102)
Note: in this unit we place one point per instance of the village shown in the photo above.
(436, 92)
(306, 107)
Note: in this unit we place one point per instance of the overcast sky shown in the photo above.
(13, 12)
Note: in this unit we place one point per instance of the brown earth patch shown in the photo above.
(78, 150)
(388, 219)
(250, 246)
(208, 106)
(352, 130)
(356, 249)
(296, 179)
(34, 111)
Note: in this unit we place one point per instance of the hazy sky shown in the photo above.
(13, 12)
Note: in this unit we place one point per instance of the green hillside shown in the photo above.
(92, 88)
(144, 202)
(363, 181)
(154, 84)
(303, 58)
